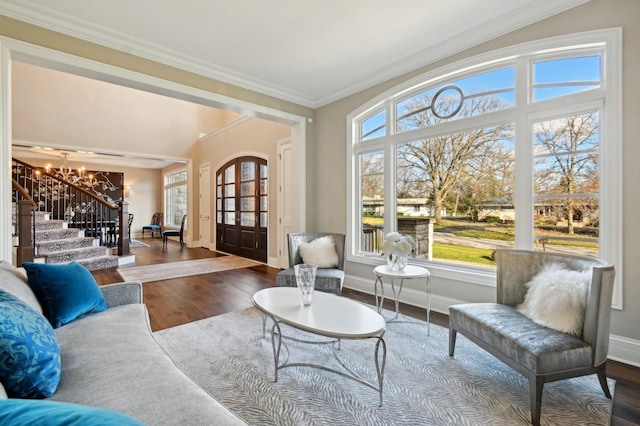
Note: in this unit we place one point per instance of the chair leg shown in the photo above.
(602, 377)
(536, 383)
(452, 341)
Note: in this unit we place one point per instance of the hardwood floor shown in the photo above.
(178, 301)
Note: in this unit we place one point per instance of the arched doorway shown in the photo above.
(242, 208)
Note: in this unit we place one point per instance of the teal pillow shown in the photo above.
(65, 291)
(29, 351)
(19, 412)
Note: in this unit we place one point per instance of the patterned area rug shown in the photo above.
(137, 244)
(167, 271)
(229, 358)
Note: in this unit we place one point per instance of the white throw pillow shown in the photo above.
(557, 297)
(320, 252)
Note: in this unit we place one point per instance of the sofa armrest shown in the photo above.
(122, 293)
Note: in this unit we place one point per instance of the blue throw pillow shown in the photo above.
(19, 412)
(65, 291)
(29, 350)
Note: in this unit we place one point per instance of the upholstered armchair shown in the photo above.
(155, 225)
(321, 248)
(541, 353)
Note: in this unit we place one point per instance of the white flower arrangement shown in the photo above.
(398, 245)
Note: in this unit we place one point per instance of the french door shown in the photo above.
(241, 208)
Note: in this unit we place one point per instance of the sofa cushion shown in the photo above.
(320, 252)
(50, 413)
(14, 281)
(65, 291)
(557, 297)
(29, 351)
(504, 331)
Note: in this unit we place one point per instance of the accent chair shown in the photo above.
(155, 225)
(538, 352)
(174, 233)
(328, 278)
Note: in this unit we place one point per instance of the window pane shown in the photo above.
(247, 204)
(464, 181)
(374, 126)
(566, 186)
(230, 190)
(247, 171)
(230, 204)
(263, 186)
(247, 219)
(247, 188)
(230, 174)
(230, 218)
(219, 217)
(263, 220)
(263, 203)
(372, 199)
(264, 171)
(561, 77)
(177, 204)
(467, 97)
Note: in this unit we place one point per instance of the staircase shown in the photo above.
(56, 243)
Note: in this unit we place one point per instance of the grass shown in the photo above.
(463, 254)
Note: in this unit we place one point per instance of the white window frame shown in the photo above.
(607, 42)
(169, 220)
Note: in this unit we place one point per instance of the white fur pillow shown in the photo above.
(557, 297)
(320, 252)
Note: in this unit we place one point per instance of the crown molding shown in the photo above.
(62, 23)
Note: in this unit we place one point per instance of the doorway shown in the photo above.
(242, 208)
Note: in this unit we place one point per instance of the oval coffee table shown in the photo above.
(328, 315)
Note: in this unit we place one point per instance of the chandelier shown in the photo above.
(65, 172)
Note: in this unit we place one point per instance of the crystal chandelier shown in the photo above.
(66, 173)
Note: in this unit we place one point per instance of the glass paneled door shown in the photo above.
(241, 208)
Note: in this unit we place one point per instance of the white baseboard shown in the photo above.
(273, 262)
(621, 348)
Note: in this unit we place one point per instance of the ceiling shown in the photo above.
(304, 51)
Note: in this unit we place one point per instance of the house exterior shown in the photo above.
(322, 187)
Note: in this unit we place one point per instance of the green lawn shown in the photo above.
(462, 254)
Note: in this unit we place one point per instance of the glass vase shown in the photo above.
(396, 263)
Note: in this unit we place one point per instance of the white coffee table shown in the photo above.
(409, 272)
(328, 315)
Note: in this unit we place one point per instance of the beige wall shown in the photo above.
(330, 162)
(253, 137)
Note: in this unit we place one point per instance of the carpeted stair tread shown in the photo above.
(57, 234)
(75, 254)
(102, 262)
(43, 225)
(48, 247)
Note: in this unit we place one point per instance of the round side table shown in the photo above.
(409, 272)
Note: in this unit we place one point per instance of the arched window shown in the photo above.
(513, 148)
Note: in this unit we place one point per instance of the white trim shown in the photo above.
(46, 18)
(224, 128)
(6, 249)
(624, 350)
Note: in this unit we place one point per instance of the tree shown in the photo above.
(567, 161)
(443, 161)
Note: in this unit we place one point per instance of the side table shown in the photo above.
(409, 272)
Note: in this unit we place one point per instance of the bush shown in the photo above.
(493, 219)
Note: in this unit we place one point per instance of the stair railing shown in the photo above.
(78, 207)
(25, 224)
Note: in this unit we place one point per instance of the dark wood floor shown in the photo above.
(181, 300)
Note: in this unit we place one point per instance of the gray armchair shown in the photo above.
(327, 279)
(539, 353)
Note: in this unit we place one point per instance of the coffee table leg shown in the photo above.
(275, 331)
(380, 364)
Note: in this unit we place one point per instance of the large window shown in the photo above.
(512, 148)
(175, 197)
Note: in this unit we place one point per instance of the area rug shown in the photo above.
(228, 357)
(167, 271)
(137, 244)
